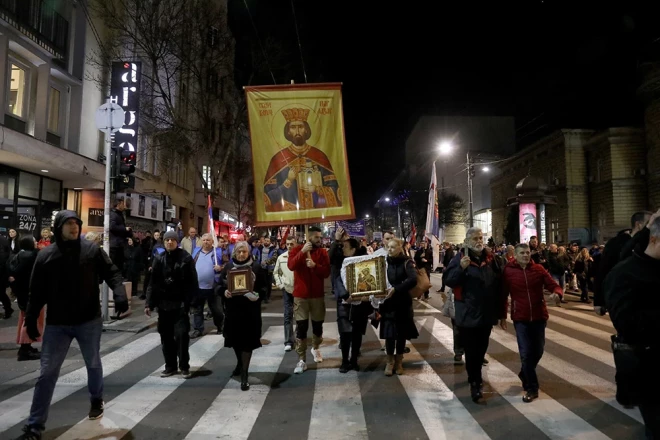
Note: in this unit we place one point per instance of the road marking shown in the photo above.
(442, 415)
(234, 412)
(16, 409)
(129, 408)
(337, 411)
(553, 419)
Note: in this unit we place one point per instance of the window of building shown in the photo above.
(206, 173)
(54, 110)
(28, 185)
(51, 190)
(18, 90)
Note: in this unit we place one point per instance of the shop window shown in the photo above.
(7, 185)
(54, 111)
(28, 185)
(51, 190)
(18, 91)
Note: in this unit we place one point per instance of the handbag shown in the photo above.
(423, 284)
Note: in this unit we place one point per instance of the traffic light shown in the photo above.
(122, 168)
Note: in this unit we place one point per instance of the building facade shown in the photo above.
(47, 158)
(598, 177)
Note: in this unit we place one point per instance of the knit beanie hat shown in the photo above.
(171, 235)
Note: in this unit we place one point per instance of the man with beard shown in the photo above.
(300, 176)
(474, 275)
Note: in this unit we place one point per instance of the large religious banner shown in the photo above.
(299, 154)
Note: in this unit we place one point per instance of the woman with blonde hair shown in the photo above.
(583, 263)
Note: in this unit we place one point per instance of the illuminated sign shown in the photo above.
(527, 221)
(543, 237)
(125, 91)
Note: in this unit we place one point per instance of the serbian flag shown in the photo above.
(212, 230)
(413, 235)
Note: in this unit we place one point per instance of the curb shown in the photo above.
(116, 326)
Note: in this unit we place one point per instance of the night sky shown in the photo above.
(545, 62)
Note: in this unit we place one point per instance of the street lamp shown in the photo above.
(485, 169)
(446, 148)
(366, 216)
(387, 199)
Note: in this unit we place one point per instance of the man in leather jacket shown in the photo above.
(173, 286)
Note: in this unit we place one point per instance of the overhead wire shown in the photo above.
(302, 59)
(88, 17)
(263, 51)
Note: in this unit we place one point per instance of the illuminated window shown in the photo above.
(54, 111)
(206, 173)
(18, 91)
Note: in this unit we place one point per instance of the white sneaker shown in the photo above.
(300, 367)
(317, 355)
(287, 348)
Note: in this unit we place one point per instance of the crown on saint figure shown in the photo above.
(295, 114)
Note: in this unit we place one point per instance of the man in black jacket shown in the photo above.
(631, 296)
(66, 278)
(618, 249)
(5, 251)
(119, 233)
(475, 276)
(172, 288)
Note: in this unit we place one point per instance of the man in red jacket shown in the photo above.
(310, 264)
(524, 280)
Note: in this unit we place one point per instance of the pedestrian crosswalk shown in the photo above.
(431, 400)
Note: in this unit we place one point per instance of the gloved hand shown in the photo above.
(600, 310)
(32, 330)
(121, 306)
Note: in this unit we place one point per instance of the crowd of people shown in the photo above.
(483, 287)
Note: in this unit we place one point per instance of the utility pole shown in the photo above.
(470, 170)
(109, 118)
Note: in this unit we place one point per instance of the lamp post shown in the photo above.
(446, 148)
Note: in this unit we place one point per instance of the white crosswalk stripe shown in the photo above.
(128, 409)
(17, 408)
(337, 411)
(235, 410)
(440, 412)
(549, 416)
(337, 406)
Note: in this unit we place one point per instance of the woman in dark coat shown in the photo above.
(19, 269)
(242, 329)
(133, 263)
(397, 323)
(352, 316)
(14, 244)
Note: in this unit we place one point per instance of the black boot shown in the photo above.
(475, 392)
(25, 353)
(244, 380)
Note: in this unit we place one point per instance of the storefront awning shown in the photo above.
(29, 154)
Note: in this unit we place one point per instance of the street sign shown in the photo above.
(110, 114)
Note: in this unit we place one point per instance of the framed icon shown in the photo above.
(240, 281)
(366, 278)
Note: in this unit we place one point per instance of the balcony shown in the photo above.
(39, 22)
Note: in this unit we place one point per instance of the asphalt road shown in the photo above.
(431, 400)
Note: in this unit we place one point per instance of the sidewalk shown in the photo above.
(135, 322)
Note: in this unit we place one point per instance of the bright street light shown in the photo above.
(367, 216)
(406, 212)
(445, 147)
(485, 169)
(387, 199)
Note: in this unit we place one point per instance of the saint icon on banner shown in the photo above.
(300, 176)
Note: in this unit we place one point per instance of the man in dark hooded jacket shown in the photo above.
(66, 278)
